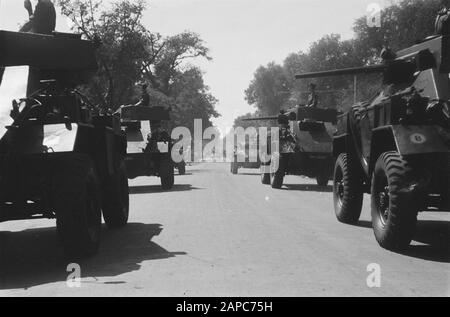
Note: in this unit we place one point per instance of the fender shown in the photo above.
(411, 140)
(407, 140)
(340, 145)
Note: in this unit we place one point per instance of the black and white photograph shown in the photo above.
(207, 151)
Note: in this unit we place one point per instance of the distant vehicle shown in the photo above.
(149, 148)
(181, 166)
(396, 146)
(242, 158)
(59, 159)
(310, 152)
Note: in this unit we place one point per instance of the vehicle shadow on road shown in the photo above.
(364, 224)
(434, 239)
(249, 174)
(34, 257)
(309, 188)
(149, 189)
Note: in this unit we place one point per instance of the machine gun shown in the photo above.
(303, 114)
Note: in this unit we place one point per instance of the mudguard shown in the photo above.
(411, 140)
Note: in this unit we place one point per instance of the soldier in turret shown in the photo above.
(442, 25)
(145, 97)
(42, 20)
(313, 98)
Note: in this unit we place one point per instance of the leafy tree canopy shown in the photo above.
(130, 54)
(403, 24)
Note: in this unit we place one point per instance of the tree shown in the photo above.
(330, 52)
(166, 57)
(269, 91)
(124, 45)
(130, 53)
(192, 99)
(403, 24)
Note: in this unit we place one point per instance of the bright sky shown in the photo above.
(242, 35)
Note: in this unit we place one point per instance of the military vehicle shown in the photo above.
(149, 144)
(242, 157)
(309, 153)
(181, 166)
(396, 146)
(59, 160)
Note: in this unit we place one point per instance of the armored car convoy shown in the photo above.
(305, 147)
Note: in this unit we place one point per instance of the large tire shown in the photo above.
(182, 168)
(265, 178)
(116, 201)
(234, 168)
(166, 172)
(347, 190)
(278, 170)
(77, 205)
(446, 185)
(395, 205)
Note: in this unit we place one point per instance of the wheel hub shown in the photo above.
(340, 187)
(384, 199)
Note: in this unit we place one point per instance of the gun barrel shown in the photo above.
(345, 71)
(260, 119)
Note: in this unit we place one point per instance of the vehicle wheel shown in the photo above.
(265, 178)
(322, 180)
(447, 184)
(116, 201)
(278, 170)
(347, 190)
(234, 168)
(182, 168)
(77, 205)
(166, 172)
(394, 207)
